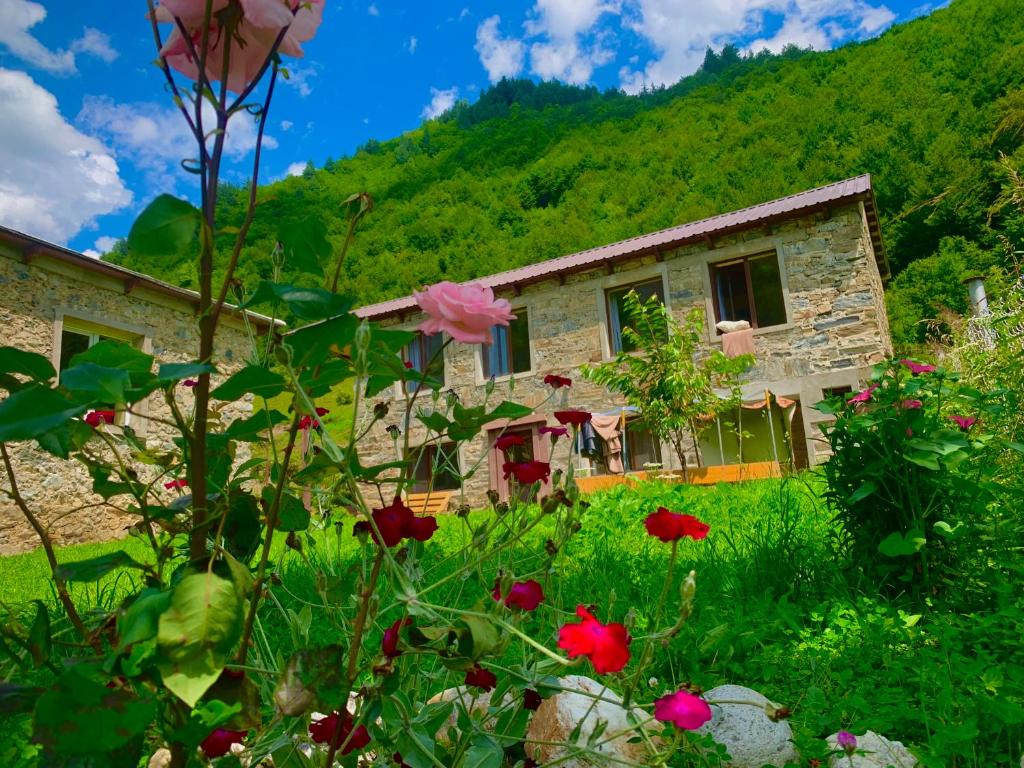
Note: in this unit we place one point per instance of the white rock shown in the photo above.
(881, 753)
(741, 723)
(560, 714)
(472, 700)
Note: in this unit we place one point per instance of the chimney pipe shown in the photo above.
(979, 300)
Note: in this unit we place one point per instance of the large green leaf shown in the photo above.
(304, 303)
(253, 427)
(195, 634)
(97, 567)
(111, 353)
(93, 383)
(81, 722)
(35, 367)
(33, 411)
(484, 752)
(139, 619)
(168, 373)
(897, 545)
(39, 640)
(306, 247)
(166, 227)
(293, 515)
(315, 343)
(260, 381)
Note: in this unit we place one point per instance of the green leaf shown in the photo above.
(95, 568)
(304, 303)
(896, 545)
(922, 459)
(867, 488)
(165, 228)
(509, 410)
(260, 381)
(253, 427)
(82, 718)
(315, 343)
(306, 246)
(111, 353)
(242, 528)
(293, 515)
(39, 634)
(35, 367)
(195, 634)
(948, 531)
(138, 619)
(62, 441)
(483, 638)
(484, 752)
(168, 373)
(96, 384)
(33, 411)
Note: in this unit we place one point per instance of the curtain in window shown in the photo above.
(497, 352)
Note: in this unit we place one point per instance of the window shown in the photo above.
(617, 319)
(641, 447)
(749, 289)
(436, 468)
(78, 336)
(426, 356)
(509, 350)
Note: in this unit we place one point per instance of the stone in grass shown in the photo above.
(474, 701)
(558, 716)
(879, 751)
(741, 724)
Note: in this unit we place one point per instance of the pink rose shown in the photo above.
(262, 22)
(465, 312)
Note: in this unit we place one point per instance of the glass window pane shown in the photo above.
(435, 468)
(519, 336)
(730, 286)
(71, 344)
(496, 353)
(767, 288)
(617, 313)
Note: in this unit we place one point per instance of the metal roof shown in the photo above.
(848, 190)
(31, 247)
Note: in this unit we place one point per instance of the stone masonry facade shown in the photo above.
(835, 330)
(42, 296)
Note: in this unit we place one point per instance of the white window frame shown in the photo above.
(644, 274)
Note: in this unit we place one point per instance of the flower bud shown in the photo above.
(492, 496)
(380, 410)
(687, 593)
(361, 343)
(550, 547)
(463, 510)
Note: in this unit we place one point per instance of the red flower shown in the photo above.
(481, 678)
(408, 364)
(527, 472)
(505, 442)
(576, 418)
(389, 643)
(190, 383)
(964, 422)
(910, 404)
(531, 700)
(864, 395)
(307, 422)
(219, 742)
(682, 709)
(326, 729)
(170, 484)
(916, 368)
(672, 526)
(555, 432)
(397, 522)
(95, 418)
(557, 382)
(606, 645)
(522, 594)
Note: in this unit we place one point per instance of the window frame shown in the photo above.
(427, 453)
(745, 258)
(404, 354)
(484, 376)
(611, 313)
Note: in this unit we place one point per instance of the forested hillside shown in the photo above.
(531, 172)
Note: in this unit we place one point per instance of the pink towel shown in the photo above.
(738, 343)
(608, 428)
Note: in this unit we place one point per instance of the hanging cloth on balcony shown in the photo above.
(608, 428)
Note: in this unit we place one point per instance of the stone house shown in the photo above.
(57, 302)
(806, 271)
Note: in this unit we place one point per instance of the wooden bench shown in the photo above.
(431, 503)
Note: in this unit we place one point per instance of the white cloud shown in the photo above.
(101, 246)
(19, 16)
(287, 125)
(463, 13)
(54, 180)
(411, 45)
(501, 57)
(681, 30)
(295, 169)
(372, 10)
(95, 43)
(155, 138)
(299, 78)
(440, 102)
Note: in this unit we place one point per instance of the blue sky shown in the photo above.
(88, 135)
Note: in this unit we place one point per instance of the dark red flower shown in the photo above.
(606, 645)
(190, 383)
(527, 472)
(531, 700)
(522, 594)
(397, 758)
(95, 418)
(683, 709)
(171, 484)
(557, 382)
(555, 432)
(397, 522)
(389, 643)
(481, 678)
(530, 763)
(964, 422)
(505, 442)
(408, 364)
(672, 526)
(326, 729)
(219, 742)
(576, 418)
(916, 368)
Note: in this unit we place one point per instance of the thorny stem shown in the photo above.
(51, 557)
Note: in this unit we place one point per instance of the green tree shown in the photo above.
(669, 376)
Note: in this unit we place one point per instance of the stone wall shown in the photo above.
(37, 300)
(836, 329)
